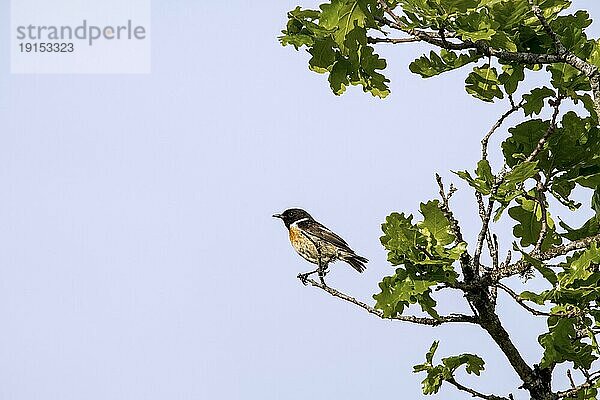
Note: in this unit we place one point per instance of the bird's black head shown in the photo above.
(292, 215)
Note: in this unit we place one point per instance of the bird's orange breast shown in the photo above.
(294, 234)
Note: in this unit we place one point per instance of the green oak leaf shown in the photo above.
(534, 101)
(437, 374)
(436, 223)
(403, 289)
(511, 76)
(529, 215)
(567, 79)
(533, 297)
(520, 173)
(343, 16)
(446, 61)
(561, 344)
(475, 26)
(509, 15)
(338, 77)
(473, 364)
(582, 265)
(590, 228)
(323, 55)
(403, 240)
(596, 202)
(588, 104)
(458, 6)
(483, 84)
(574, 145)
(500, 40)
(523, 140)
(484, 179)
(561, 189)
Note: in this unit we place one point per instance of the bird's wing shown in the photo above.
(315, 229)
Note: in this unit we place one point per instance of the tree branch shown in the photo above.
(392, 40)
(521, 266)
(562, 56)
(560, 49)
(406, 318)
(465, 258)
(473, 392)
(480, 46)
(573, 386)
(567, 248)
(489, 320)
(486, 217)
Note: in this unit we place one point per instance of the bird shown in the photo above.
(317, 244)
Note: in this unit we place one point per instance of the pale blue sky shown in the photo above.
(138, 256)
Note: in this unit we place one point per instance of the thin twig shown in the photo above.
(480, 205)
(494, 254)
(532, 310)
(473, 392)
(482, 215)
(445, 207)
(486, 138)
(507, 260)
(486, 219)
(571, 379)
(575, 390)
(541, 200)
(540, 145)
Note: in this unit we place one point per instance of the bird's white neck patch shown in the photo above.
(300, 220)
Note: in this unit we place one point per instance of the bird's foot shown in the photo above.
(321, 271)
(303, 278)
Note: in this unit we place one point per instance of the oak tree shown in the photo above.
(500, 44)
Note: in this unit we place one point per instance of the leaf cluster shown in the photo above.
(444, 372)
(336, 38)
(425, 252)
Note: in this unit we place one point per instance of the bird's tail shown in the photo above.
(357, 262)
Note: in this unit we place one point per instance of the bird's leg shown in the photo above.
(322, 267)
(322, 272)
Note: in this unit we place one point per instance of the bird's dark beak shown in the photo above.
(277, 216)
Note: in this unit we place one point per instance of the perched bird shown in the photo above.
(317, 244)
